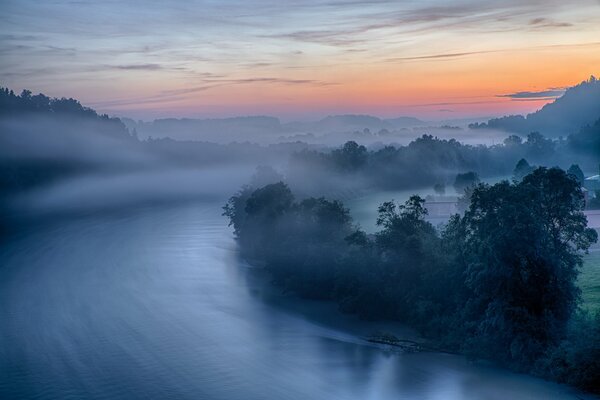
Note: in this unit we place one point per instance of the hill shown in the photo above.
(577, 107)
(216, 129)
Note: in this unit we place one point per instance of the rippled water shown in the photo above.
(156, 304)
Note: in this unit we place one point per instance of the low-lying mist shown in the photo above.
(57, 162)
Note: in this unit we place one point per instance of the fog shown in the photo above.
(329, 131)
(65, 163)
(117, 253)
(71, 139)
(60, 164)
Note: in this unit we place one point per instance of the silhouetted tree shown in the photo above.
(522, 169)
(351, 156)
(439, 189)
(466, 180)
(576, 172)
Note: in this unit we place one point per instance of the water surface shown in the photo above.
(155, 303)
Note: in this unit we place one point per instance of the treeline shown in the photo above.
(13, 105)
(425, 161)
(497, 282)
(45, 139)
(587, 140)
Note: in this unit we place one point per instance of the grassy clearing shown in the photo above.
(589, 280)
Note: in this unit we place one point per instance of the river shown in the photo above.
(155, 304)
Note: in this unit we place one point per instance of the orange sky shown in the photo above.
(302, 59)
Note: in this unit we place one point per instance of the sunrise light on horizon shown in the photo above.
(301, 59)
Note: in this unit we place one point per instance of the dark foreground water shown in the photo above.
(156, 304)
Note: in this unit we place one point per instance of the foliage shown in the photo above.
(351, 156)
(497, 283)
(298, 242)
(576, 358)
(465, 181)
(576, 171)
(522, 259)
(40, 104)
(587, 140)
(522, 169)
(439, 188)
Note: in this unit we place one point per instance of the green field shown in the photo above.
(589, 280)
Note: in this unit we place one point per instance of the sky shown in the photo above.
(300, 59)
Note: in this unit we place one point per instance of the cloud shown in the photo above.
(440, 56)
(396, 19)
(541, 95)
(326, 37)
(178, 94)
(138, 67)
(547, 23)
(212, 83)
(22, 38)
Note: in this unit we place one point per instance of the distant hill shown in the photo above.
(405, 122)
(578, 107)
(256, 128)
(351, 123)
(217, 129)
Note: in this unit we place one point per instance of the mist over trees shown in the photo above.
(46, 141)
(522, 169)
(497, 282)
(426, 161)
(587, 140)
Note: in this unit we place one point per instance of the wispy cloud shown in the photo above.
(179, 94)
(541, 95)
(538, 23)
(194, 46)
(212, 83)
(138, 67)
(440, 56)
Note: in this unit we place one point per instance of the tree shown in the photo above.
(466, 180)
(439, 189)
(575, 171)
(522, 169)
(270, 201)
(351, 156)
(264, 175)
(538, 146)
(513, 141)
(587, 140)
(522, 257)
(405, 250)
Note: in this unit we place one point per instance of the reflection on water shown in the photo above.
(156, 304)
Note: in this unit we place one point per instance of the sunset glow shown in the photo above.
(300, 59)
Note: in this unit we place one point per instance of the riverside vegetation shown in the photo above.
(498, 282)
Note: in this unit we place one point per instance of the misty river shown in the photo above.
(155, 303)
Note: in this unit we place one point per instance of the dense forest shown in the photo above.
(497, 282)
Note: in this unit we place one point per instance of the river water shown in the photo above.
(155, 304)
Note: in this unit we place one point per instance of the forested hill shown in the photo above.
(577, 107)
(39, 105)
